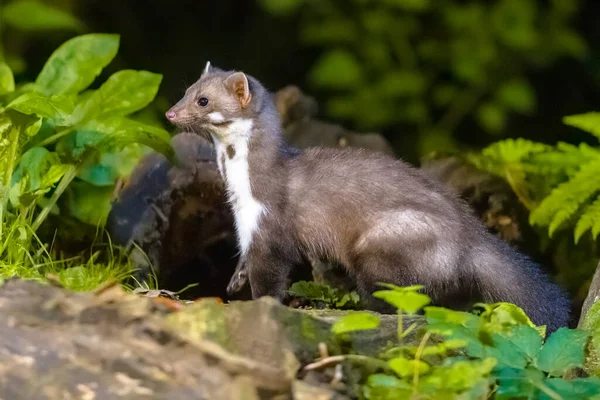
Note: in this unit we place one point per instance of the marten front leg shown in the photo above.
(269, 269)
(239, 279)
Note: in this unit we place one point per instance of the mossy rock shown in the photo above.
(269, 332)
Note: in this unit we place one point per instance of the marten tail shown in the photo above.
(505, 275)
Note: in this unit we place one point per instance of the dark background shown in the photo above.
(176, 38)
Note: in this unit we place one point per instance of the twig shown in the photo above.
(325, 362)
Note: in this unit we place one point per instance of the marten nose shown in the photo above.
(171, 115)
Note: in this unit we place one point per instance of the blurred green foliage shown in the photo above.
(495, 352)
(21, 19)
(431, 65)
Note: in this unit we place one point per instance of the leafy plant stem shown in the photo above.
(547, 391)
(62, 186)
(58, 135)
(6, 179)
(417, 359)
(400, 328)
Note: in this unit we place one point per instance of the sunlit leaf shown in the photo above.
(7, 80)
(405, 368)
(589, 122)
(38, 171)
(516, 348)
(76, 63)
(380, 386)
(563, 350)
(57, 107)
(409, 302)
(113, 134)
(123, 93)
(355, 322)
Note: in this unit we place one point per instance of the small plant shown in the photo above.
(63, 146)
(330, 297)
(494, 353)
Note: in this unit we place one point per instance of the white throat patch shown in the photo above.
(233, 166)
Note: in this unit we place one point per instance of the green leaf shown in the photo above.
(310, 290)
(355, 322)
(113, 134)
(517, 348)
(563, 350)
(492, 117)
(381, 387)
(517, 95)
(574, 389)
(337, 69)
(76, 63)
(332, 297)
(88, 203)
(38, 171)
(31, 15)
(409, 302)
(590, 219)
(456, 325)
(589, 122)
(57, 108)
(123, 93)
(112, 166)
(7, 80)
(440, 348)
(518, 383)
(460, 376)
(566, 199)
(401, 289)
(501, 317)
(407, 368)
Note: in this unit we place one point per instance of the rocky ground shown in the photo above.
(56, 344)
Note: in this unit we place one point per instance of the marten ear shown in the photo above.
(237, 83)
(206, 69)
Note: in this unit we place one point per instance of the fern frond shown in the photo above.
(566, 159)
(590, 219)
(589, 122)
(566, 199)
(506, 154)
(505, 159)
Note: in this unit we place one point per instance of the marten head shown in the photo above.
(217, 101)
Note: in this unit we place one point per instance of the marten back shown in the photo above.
(389, 222)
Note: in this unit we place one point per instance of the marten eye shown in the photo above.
(203, 101)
